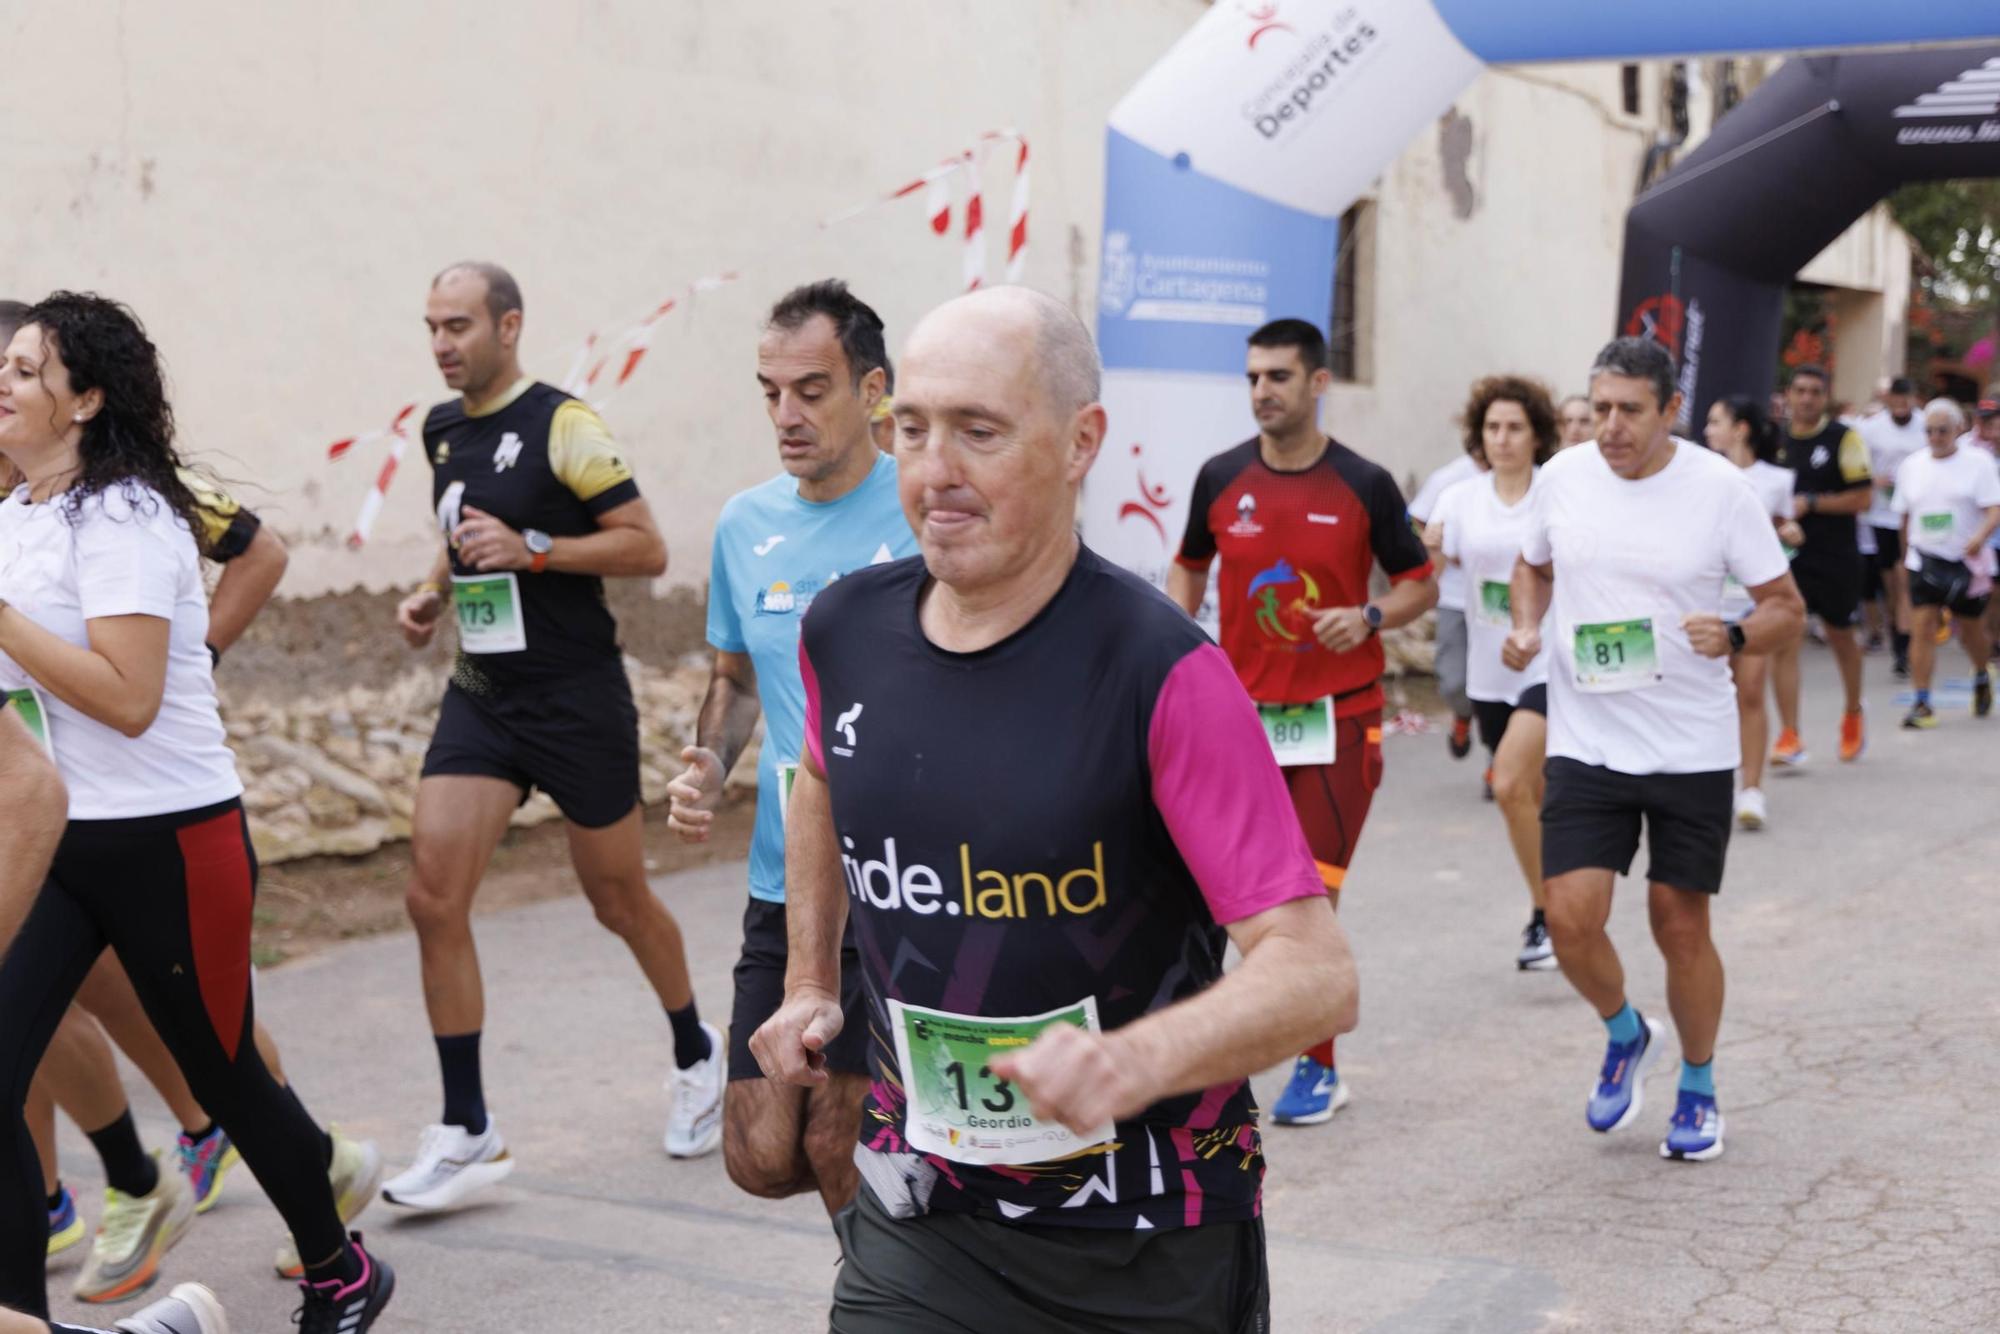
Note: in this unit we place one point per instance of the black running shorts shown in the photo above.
(1831, 586)
(577, 740)
(1494, 715)
(1888, 548)
(760, 987)
(1943, 583)
(1591, 818)
(953, 1271)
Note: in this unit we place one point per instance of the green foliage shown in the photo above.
(1957, 226)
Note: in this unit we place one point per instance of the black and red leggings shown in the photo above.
(171, 895)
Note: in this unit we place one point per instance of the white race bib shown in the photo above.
(1615, 656)
(958, 1108)
(489, 613)
(787, 775)
(1299, 733)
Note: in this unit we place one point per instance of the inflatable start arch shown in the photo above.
(1229, 164)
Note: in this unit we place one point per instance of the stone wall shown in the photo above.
(332, 770)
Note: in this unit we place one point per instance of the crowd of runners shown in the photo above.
(1003, 1052)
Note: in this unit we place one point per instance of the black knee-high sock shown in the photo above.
(464, 1094)
(127, 1165)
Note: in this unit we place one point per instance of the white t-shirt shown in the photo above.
(1632, 558)
(1451, 583)
(1482, 534)
(120, 559)
(1773, 486)
(1888, 445)
(1945, 499)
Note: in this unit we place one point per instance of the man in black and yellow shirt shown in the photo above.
(1834, 487)
(537, 508)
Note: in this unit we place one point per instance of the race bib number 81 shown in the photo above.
(958, 1108)
(489, 613)
(1612, 656)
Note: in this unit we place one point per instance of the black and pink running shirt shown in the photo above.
(1075, 811)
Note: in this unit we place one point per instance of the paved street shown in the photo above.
(1461, 1191)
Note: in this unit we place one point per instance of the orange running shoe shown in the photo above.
(1853, 737)
(1790, 752)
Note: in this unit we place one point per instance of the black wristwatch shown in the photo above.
(1373, 615)
(1737, 639)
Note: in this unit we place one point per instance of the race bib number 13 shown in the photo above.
(958, 1108)
(1299, 733)
(489, 613)
(27, 706)
(1616, 655)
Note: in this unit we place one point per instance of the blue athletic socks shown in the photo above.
(1624, 1025)
(1923, 697)
(464, 1094)
(691, 1045)
(1698, 1078)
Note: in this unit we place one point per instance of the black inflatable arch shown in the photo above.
(1710, 249)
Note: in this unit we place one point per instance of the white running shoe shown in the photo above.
(451, 1164)
(1750, 812)
(694, 1122)
(189, 1309)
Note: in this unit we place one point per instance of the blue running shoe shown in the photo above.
(66, 1227)
(1313, 1096)
(205, 1162)
(1695, 1133)
(1620, 1090)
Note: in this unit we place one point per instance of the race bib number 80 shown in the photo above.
(958, 1108)
(1299, 733)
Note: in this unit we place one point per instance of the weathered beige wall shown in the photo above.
(272, 187)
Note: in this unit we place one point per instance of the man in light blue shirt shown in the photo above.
(824, 369)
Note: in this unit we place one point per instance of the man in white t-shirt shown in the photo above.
(1948, 499)
(1628, 544)
(1892, 435)
(1449, 655)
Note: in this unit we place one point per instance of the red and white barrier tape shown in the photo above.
(371, 505)
(586, 377)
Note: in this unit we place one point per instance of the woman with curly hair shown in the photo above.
(1510, 431)
(102, 649)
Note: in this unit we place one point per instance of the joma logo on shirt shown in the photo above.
(994, 895)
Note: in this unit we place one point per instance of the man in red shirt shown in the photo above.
(1300, 522)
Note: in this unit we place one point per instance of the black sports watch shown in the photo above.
(1373, 615)
(1737, 639)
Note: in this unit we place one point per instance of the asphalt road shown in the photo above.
(1460, 1191)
